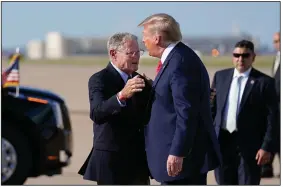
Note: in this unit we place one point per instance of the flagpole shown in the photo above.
(18, 87)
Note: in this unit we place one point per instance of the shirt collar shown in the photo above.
(244, 74)
(167, 51)
(122, 74)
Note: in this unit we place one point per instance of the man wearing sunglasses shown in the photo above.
(267, 169)
(245, 110)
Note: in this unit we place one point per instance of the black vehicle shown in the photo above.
(36, 134)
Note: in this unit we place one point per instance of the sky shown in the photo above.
(24, 21)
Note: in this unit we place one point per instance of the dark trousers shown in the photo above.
(193, 180)
(268, 167)
(117, 168)
(236, 169)
(136, 181)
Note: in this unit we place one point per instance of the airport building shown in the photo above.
(57, 46)
(35, 49)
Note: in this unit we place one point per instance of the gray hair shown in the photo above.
(165, 25)
(118, 40)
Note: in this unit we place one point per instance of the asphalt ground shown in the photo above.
(71, 82)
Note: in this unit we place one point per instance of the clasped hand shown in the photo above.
(136, 84)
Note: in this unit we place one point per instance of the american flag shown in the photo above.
(11, 76)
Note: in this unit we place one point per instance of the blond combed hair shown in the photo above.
(165, 25)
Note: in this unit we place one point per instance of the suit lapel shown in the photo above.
(227, 79)
(278, 68)
(165, 64)
(160, 73)
(117, 79)
(248, 88)
(277, 73)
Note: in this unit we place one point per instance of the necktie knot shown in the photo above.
(129, 77)
(239, 78)
(159, 66)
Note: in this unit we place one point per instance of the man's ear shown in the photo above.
(157, 39)
(112, 53)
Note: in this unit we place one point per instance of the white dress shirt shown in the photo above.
(167, 51)
(122, 74)
(236, 74)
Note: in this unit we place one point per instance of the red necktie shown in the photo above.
(159, 66)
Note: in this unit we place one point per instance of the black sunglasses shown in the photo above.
(243, 55)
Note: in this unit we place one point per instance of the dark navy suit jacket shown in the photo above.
(180, 121)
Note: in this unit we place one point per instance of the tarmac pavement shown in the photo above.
(71, 82)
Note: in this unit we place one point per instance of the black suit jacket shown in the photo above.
(256, 122)
(277, 77)
(115, 128)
